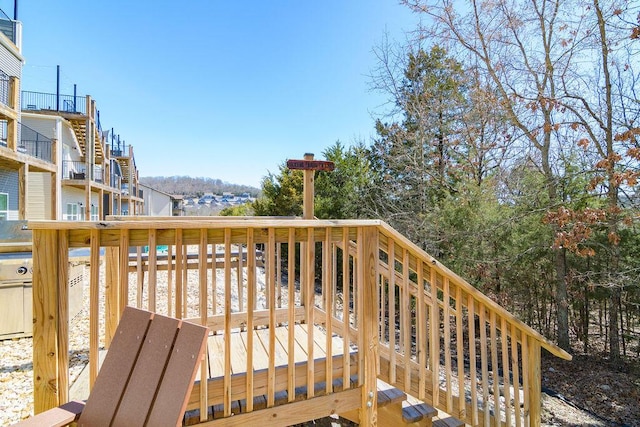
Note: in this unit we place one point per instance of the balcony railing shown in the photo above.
(116, 181)
(72, 169)
(4, 88)
(35, 101)
(8, 26)
(98, 174)
(35, 144)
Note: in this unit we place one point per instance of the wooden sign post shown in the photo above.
(309, 166)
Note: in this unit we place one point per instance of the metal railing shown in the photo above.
(4, 88)
(35, 101)
(118, 146)
(35, 144)
(73, 169)
(7, 26)
(98, 174)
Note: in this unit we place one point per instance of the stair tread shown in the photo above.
(448, 422)
(410, 414)
(388, 394)
(416, 411)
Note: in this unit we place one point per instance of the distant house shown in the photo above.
(156, 202)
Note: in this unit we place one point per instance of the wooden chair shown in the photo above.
(145, 379)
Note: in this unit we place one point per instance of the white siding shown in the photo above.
(39, 203)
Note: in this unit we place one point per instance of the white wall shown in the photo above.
(156, 203)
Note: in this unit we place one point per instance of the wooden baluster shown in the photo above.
(291, 307)
(516, 375)
(405, 319)
(423, 342)
(504, 337)
(447, 343)
(227, 323)
(462, 412)
(179, 275)
(153, 269)
(327, 288)
(271, 291)
(94, 306)
(202, 300)
(484, 363)
(309, 261)
(526, 377)
(139, 276)
(392, 311)
(346, 312)
(494, 367)
(472, 358)
(435, 338)
(123, 280)
(251, 295)
(241, 286)
(112, 275)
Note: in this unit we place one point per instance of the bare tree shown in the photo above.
(557, 67)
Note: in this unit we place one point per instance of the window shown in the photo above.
(4, 206)
(94, 213)
(72, 212)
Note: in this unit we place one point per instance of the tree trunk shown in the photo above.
(614, 334)
(562, 302)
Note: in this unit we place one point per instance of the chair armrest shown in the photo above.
(55, 417)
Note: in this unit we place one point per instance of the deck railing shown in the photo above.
(35, 144)
(370, 300)
(34, 101)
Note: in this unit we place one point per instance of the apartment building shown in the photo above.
(56, 160)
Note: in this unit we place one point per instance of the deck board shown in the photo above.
(261, 348)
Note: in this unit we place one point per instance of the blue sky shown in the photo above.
(219, 89)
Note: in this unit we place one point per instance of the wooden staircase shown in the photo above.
(397, 408)
(80, 129)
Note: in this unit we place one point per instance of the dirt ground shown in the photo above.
(586, 392)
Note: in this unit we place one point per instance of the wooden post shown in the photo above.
(535, 382)
(309, 166)
(111, 310)
(53, 212)
(308, 190)
(51, 319)
(368, 323)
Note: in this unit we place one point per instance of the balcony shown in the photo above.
(38, 101)
(74, 170)
(35, 144)
(8, 27)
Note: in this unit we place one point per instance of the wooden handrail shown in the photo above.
(415, 250)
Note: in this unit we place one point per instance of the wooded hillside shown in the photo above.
(189, 186)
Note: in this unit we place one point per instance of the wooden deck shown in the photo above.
(261, 356)
(380, 307)
(274, 364)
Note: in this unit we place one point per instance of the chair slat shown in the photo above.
(147, 373)
(116, 368)
(179, 376)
